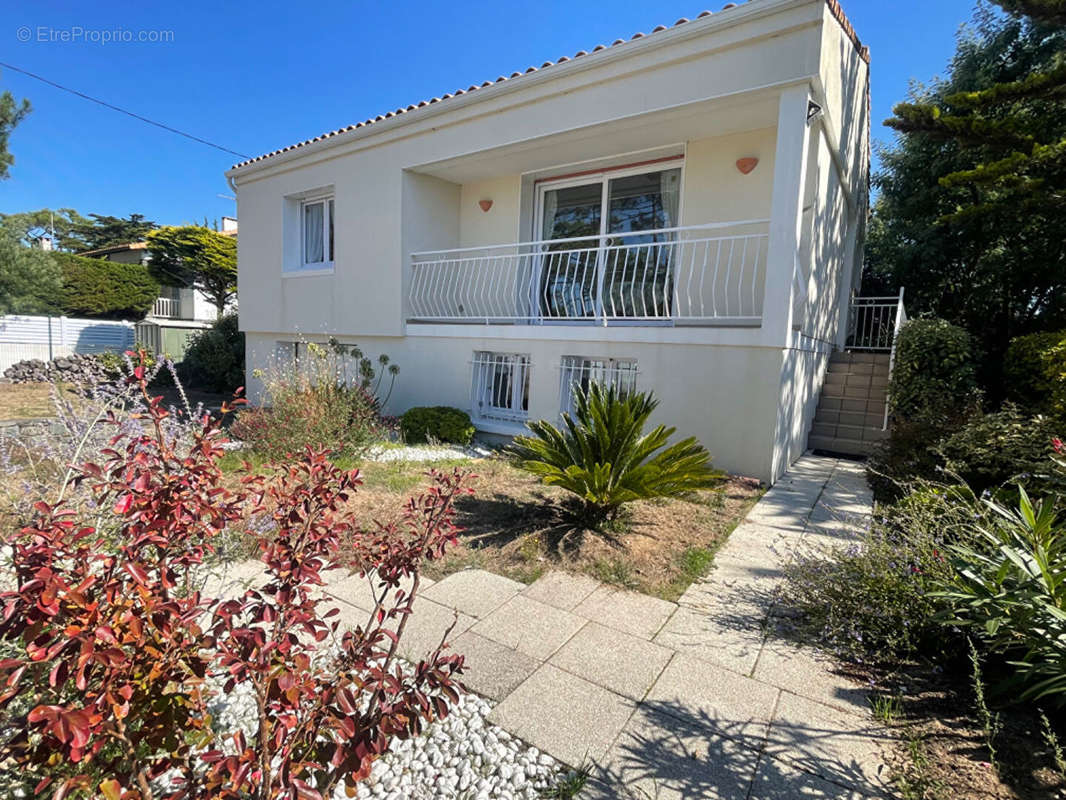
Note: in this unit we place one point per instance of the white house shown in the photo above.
(682, 211)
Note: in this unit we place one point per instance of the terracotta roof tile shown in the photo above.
(834, 7)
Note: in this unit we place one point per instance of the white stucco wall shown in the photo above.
(723, 395)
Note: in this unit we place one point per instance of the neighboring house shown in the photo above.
(179, 312)
(175, 304)
(682, 211)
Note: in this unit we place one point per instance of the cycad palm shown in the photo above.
(602, 454)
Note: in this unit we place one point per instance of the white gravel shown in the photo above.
(462, 756)
(442, 452)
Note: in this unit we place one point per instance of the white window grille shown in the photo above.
(501, 386)
(577, 372)
(316, 233)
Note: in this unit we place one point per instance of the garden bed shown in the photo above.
(517, 527)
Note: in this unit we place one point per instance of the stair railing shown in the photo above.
(901, 317)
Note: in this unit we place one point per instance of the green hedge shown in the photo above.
(1035, 372)
(93, 287)
(933, 374)
(439, 423)
(214, 357)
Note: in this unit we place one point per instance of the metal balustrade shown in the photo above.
(166, 307)
(702, 274)
(874, 322)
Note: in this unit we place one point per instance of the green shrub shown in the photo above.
(871, 602)
(1009, 589)
(310, 403)
(214, 358)
(1035, 372)
(604, 457)
(1005, 446)
(436, 423)
(94, 287)
(933, 371)
(933, 391)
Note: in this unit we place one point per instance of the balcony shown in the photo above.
(709, 274)
(166, 308)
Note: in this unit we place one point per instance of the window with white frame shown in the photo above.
(316, 233)
(578, 372)
(501, 386)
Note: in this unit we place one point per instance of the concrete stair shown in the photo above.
(851, 410)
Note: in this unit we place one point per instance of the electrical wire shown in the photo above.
(121, 110)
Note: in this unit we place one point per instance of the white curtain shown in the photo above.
(670, 188)
(551, 204)
(313, 244)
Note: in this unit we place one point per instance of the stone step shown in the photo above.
(857, 368)
(850, 447)
(853, 391)
(872, 383)
(837, 417)
(852, 405)
(862, 433)
(859, 357)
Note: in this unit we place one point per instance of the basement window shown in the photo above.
(578, 372)
(501, 386)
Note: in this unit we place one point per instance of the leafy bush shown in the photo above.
(1035, 372)
(933, 391)
(113, 659)
(214, 358)
(30, 281)
(437, 423)
(95, 287)
(871, 602)
(1009, 588)
(1005, 446)
(605, 458)
(312, 402)
(933, 372)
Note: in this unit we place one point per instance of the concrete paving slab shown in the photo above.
(233, 580)
(808, 673)
(784, 510)
(359, 591)
(754, 543)
(561, 589)
(731, 639)
(776, 780)
(714, 698)
(629, 612)
(658, 756)
(427, 625)
(564, 715)
(617, 661)
(536, 629)
(738, 590)
(473, 591)
(836, 745)
(492, 669)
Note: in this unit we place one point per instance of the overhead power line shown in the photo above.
(121, 110)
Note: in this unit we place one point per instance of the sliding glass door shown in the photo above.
(623, 268)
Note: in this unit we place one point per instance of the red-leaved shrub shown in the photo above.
(112, 654)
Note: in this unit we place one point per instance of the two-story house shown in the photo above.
(681, 211)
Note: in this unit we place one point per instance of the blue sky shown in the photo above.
(254, 76)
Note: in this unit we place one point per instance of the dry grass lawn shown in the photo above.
(26, 400)
(515, 526)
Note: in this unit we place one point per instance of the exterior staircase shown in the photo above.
(851, 411)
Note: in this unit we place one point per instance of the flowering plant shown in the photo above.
(112, 656)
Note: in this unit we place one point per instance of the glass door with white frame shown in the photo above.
(616, 272)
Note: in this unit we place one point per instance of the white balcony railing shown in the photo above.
(874, 322)
(703, 274)
(166, 308)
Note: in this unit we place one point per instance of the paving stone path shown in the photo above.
(694, 699)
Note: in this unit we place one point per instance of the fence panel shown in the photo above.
(23, 337)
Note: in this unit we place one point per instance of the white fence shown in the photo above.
(23, 337)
